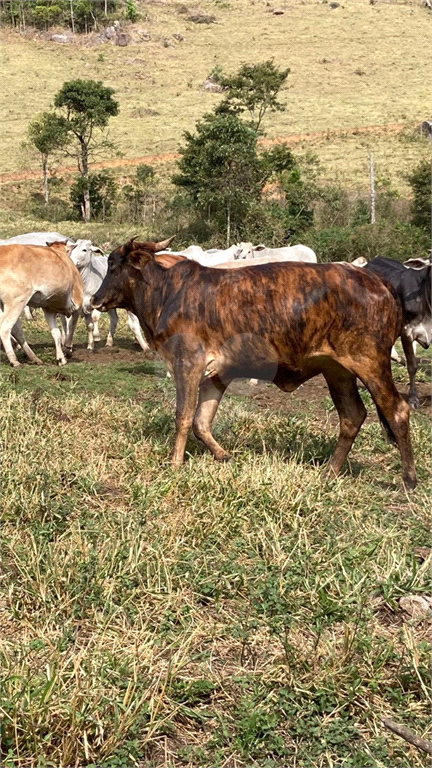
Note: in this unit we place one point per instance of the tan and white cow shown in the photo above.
(40, 276)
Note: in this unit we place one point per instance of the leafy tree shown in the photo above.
(48, 133)
(102, 190)
(253, 89)
(87, 107)
(420, 182)
(220, 173)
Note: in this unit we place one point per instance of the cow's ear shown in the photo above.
(129, 246)
(139, 259)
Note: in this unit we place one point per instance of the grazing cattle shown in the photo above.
(40, 276)
(412, 282)
(308, 319)
(292, 253)
(92, 266)
(36, 238)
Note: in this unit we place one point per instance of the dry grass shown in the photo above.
(326, 50)
(218, 615)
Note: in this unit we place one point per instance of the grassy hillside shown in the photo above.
(356, 65)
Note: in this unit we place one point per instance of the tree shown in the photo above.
(253, 89)
(219, 170)
(420, 182)
(47, 133)
(87, 107)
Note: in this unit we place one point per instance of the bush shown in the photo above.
(397, 240)
(420, 182)
(103, 190)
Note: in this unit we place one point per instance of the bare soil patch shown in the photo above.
(308, 396)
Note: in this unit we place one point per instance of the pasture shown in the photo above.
(242, 614)
(222, 616)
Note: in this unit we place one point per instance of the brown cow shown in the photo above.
(40, 276)
(280, 322)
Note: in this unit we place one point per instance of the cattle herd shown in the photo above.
(217, 315)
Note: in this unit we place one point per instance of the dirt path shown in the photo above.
(151, 159)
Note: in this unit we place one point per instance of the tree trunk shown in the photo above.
(72, 17)
(23, 16)
(228, 224)
(85, 173)
(45, 178)
(372, 188)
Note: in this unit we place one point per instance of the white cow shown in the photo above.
(210, 258)
(36, 238)
(292, 253)
(92, 266)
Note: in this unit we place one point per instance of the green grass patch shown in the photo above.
(246, 611)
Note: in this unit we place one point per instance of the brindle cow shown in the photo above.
(280, 322)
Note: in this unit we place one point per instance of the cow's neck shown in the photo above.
(148, 293)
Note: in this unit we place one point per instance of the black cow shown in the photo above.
(412, 282)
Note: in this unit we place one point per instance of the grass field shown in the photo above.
(221, 615)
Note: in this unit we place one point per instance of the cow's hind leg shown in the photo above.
(210, 395)
(8, 319)
(352, 413)
(51, 319)
(18, 334)
(394, 413)
(188, 369)
(412, 365)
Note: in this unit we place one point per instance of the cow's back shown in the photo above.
(303, 303)
(45, 270)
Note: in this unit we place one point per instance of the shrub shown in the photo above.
(102, 188)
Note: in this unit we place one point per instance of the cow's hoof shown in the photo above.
(62, 361)
(37, 361)
(16, 365)
(109, 344)
(68, 351)
(414, 403)
(410, 482)
(223, 457)
(90, 349)
(96, 338)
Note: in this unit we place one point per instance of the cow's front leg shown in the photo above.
(88, 317)
(95, 315)
(210, 395)
(71, 323)
(51, 319)
(113, 325)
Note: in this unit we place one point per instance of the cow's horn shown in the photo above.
(163, 244)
